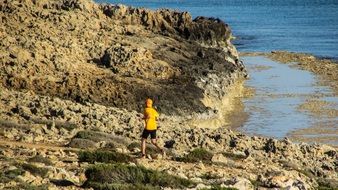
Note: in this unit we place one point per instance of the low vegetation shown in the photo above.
(234, 156)
(27, 186)
(9, 175)
(133, 145)
(81, 143)
(91, 135)
(37, 171)
(118, 186)
(196, 155)
(40, 159)
(217, 187)
(97, 136)
(58, 124)
(12, 124)
(120, 176)
(66, 125)
(150, 149)
(325, 184)
(104, 157)
(256, 183)
(209, 176)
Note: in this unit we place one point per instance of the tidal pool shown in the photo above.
(289, 102)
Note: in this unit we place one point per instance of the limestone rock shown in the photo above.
(219, 158)
(75, 73)
(64, 63)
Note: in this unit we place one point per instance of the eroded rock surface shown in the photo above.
(74, 76)
(115, 55)
(237, 159)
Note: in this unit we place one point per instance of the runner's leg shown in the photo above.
(143, 147)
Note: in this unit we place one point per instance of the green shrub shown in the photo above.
(93, 136)
(134, 145)
(196, 155)
(327, 184)
(34, 169)
(326, 188)
(118, 186)
(14, 173)
(217, 187)
(234, 156)
(256, 183)
(13, 124)
(61, 182)
(27, 186)
(5, 158)
(131, 175)
(104, 156)
(81, 143)
(110, 146)
(66, 125)
(209, 176)
(83, 134)
(150, 149)
(7, 176)
(40, 159)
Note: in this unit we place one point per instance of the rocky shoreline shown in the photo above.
(74, 75)
(269, 162)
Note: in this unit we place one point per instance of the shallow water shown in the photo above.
(280, 90)
(266, 25)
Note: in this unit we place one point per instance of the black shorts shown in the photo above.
(146, 133)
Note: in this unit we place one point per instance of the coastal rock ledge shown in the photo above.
(73, 79)
(116, 55)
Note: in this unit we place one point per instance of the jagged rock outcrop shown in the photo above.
(115, 55)
(208, 31)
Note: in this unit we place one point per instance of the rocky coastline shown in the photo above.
(74, 76)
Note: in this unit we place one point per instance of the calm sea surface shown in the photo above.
(264, 25)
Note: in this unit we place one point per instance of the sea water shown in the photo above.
(279, 91)
(309, 26)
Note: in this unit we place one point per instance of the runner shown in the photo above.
(150, 117)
